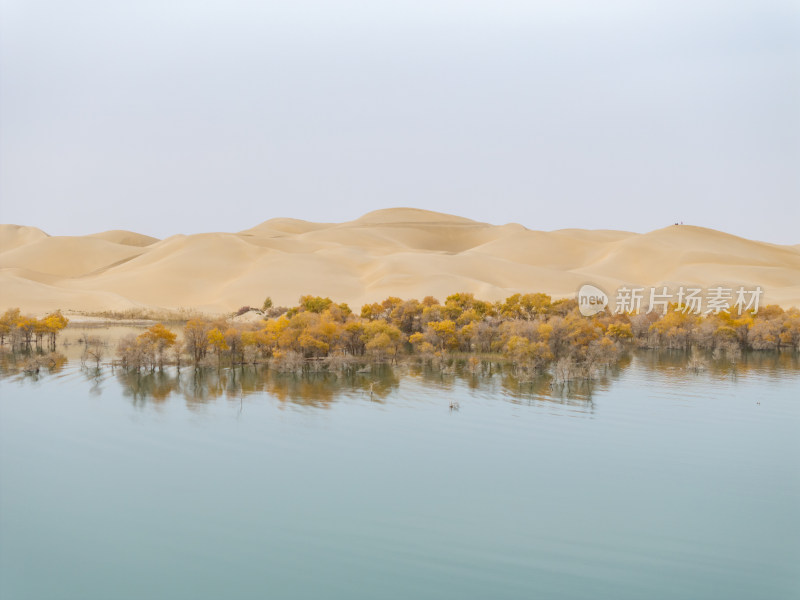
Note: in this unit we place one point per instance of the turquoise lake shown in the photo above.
(653, 482)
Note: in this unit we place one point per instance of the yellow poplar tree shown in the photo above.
(217, 341)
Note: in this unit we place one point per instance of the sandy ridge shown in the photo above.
(401, 252)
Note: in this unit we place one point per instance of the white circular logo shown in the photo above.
(591, 300)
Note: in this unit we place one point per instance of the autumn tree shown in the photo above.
(444, 334)
(216, 339)
(275, 333)
(382, 339)
(407, 316)
(420, 344)
(352, 338)
(8, 325)
(160, 338)
(765, 334)
(233, 337)
(254, 344)
(526, 306)
(619, 332)
(562, 307)
(195, 336)
(674, 328)
(371, 311)
(525, 352)
(54, 323)
(581, 332)
(39, 331)
(133, 352)
(27, 326)
(790, 329)
(314, 304)
(483, 335)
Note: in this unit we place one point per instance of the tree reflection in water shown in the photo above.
(198, 386)
(33, 364)
(321, 388)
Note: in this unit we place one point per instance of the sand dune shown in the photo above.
(68, 257)
(14, 236)
(127, 238)
(401, 252)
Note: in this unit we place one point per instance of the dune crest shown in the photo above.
(14, 236)
(126, 238)
(411, 215)
(284, 226)
(400, 251)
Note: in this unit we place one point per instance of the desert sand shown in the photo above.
(399, 252)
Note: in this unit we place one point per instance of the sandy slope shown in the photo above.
(401, 252)
(127, 238)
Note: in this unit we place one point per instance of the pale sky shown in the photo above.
(180, 117)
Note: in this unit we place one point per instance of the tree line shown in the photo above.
(533, 331)
(26, 332)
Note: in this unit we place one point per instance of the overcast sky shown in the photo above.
(166, 117)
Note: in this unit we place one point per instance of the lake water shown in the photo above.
(654, 482)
